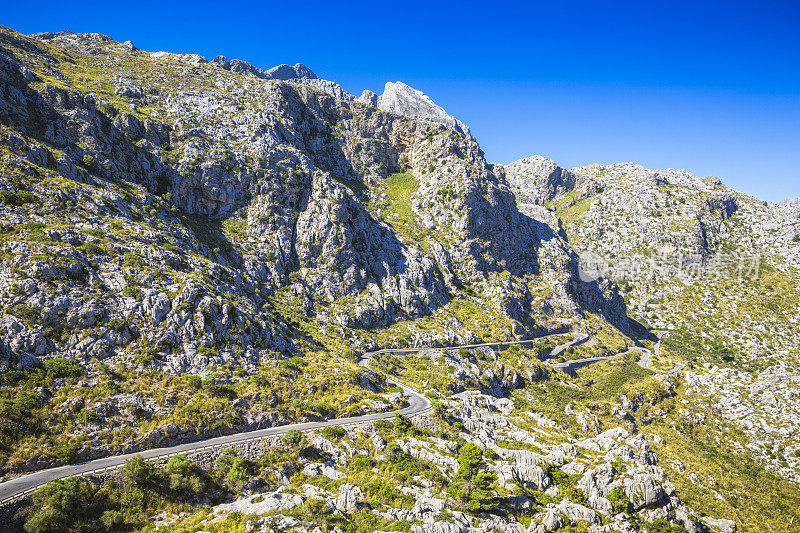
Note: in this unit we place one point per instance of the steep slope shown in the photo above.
(538, 180)
(192, 248)
(400, 99)
(717, 271)
(164, 216)
(274, 185)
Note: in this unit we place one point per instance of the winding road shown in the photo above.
(18, 487)
(569, 366)
(15, 488)
(644, 362)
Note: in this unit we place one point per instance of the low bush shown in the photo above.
(619, 501)
(334, 432)
(18, 198)
(293, 438)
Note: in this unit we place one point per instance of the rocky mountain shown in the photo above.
(194, 248)
(271, 186)
(716, 269)
(538, 180)
(790, 206)
(400, 99)
(281, 72)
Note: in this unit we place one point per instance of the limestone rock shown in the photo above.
(349, 498)
(400, 99)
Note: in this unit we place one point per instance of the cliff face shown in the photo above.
(168, 205)
(715, 268)
(632, 206)
(164, 215)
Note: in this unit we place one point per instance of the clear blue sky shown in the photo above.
(710, 87)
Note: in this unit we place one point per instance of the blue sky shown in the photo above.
(710, 87)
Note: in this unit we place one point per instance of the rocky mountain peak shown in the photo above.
(633, 173)
(790, 206)
(400, 99)
(539, 180)
(68, 38)
(281, 72)
(287, 72)
(368, 98)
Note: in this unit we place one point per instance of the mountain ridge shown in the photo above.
(195, 248)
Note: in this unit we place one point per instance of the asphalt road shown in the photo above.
(569, 366)
(15, 488)
(644, 361)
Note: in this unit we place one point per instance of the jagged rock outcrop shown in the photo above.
(264, 185)
(281, 72)
(400, 99)
(539, 180)
(368, 98)
(86, 42)
(637, 199)
(287, 72)
(790, 207)
(238, 66)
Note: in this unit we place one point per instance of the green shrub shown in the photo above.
(58, 506)
(323, 408)
(513, 350)
(223, 391)
(315, 509)
(619, 501)
(439, 409)
(136, 472)
(558, 476)
(24, 402)
(18, 198)
(132, 291)
(660, 525)
(234, 468)
(24, 311)
(13, 377)
(61, 367)
(334, 432)
(209, 382)
(67, 453)
(183, 477)
(402, 424)
(118, 324)
(472, 486)
(383, 426)
(362, 462)
(91, 248)
(480, 496)
(112, 519)
(470, 461)
(133, 260)
(350, 355)
(293, 438)
(259, 381)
